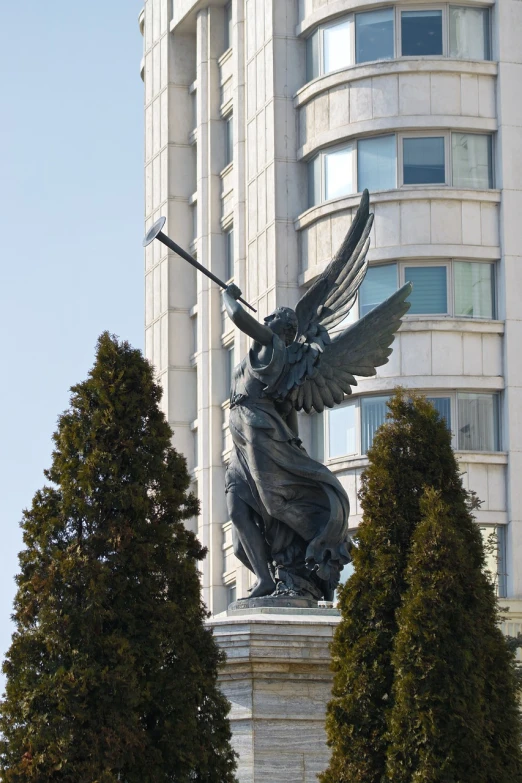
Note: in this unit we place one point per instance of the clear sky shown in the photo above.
(71, 225)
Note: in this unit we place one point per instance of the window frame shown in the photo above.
(358, 433)
(229, 253)
(423, 134)
(229, 140)
(491, 136)
(227, 23)
(451, 394)
(400, 9)
(400, 136)
(448, 265)
(395, 49)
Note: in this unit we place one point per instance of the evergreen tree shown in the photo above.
(455, 716)
(111, 675)
(410, 451)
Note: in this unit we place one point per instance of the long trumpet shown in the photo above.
(155, 232)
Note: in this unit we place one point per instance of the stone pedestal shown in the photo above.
(278, 680)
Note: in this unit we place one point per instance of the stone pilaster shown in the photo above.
(277, 677)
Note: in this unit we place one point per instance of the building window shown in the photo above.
(471, 417)
(229, 369)
(229, 140)
(474, 286)
(424, 161)
(494, 540)
(443, 407)
(373, 414)
(430, 287)
(477, 422)
(421, 33)
(228, 26)
(372, 163)
(231, 593)
(459, 32)
(374, 35)
(229, 254)
(379, 283)
(472, 161)
(377, 163)
(469, 33)
(337, 46)
(342, 435)
(463, 289)
(338, 173)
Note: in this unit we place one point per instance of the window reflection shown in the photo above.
(421, 33)
(374, 35)
(424, 161)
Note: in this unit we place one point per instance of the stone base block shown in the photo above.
(277, 678)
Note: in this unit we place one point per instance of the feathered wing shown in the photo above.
(358, 350)
(331, 297)
(327, 302)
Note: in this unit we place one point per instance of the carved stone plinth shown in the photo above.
(278, 680)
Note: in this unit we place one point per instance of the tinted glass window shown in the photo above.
(430, 287)
(380, 283)
(443, 407)
(478, 422)
(474, 289)
(421, 33)
(314, 181)
(377, 163)
(229, 254)
(312, 56)
(423, 161)
(342, 436)
(469, 33)
(338, 173)
(374, 35)
(229, 141)
(373, 414)
(337, 47)
(472, 161)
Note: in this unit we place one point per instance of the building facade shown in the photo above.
(265, 119)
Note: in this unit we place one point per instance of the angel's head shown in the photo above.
(283, 322)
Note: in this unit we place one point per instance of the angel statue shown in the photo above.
(289, 512)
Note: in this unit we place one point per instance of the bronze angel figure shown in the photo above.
(289, 512)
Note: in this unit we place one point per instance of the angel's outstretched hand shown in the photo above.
(233, 290)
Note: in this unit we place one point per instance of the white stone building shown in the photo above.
(264, 120)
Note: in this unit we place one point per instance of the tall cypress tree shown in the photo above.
(455, 713)
(111, 675)
(411, 452)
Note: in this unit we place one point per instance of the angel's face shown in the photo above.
(282, 322)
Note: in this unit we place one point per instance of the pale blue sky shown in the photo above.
(71, 224)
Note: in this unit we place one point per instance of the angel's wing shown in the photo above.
(358, 350)
(332, 296)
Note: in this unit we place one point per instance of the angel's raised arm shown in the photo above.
(248, 325)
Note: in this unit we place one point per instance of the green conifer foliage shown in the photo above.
(455, 715)
(111, 675)
(412, 450)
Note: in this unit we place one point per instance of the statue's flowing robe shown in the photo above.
(301, 505)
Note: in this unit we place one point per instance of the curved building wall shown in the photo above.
(245, 104)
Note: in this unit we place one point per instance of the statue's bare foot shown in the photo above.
(262, 587)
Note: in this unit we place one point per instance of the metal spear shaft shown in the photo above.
(156, 233)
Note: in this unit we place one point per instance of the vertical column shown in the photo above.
(507, 24)
(169, 183)
(240, 178)
(276, 186)
(211, 360)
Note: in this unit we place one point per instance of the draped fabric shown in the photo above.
(301, 505)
